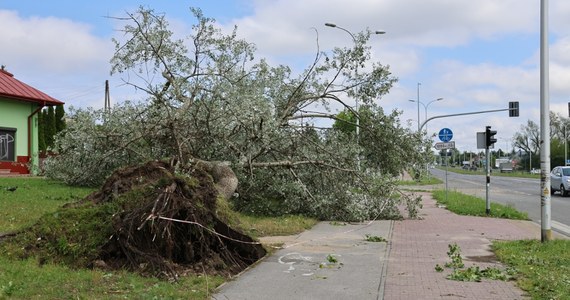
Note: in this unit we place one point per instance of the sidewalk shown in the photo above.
(303, 270)
(418, 245)
(403, 268)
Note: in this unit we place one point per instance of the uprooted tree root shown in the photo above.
(160, 224)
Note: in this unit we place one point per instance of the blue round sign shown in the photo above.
(445, 135)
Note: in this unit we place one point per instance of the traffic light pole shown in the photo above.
(513, 112)
(489, 141)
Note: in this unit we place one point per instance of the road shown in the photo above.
(522, 193)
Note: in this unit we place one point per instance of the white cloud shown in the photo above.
(282, 26)
(283, 31)
(50, 45)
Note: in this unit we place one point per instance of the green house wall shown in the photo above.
(14, 114)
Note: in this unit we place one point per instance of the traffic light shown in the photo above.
(489, 139)
(514, 109)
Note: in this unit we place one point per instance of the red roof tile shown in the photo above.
(12, 88)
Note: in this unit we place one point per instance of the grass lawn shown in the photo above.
(27, 279)
(543, 269)
(431, 180)
(495, 172)
(463, 204)
(33, 197)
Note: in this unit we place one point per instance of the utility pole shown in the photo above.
(545, 209)
(107, 97)
(356, 99)
(419, 107)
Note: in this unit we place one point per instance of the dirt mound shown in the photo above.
(150, 220)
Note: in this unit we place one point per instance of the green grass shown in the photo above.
(495, 172)
(28, 279)
(543, 269)
(266, 226)
(32, 198)
(258, 226)
(423, 181)
(463, 204)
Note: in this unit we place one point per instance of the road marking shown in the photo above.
(560, 227)
(291, 259)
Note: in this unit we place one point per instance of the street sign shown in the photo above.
(447, 145)
(481, 141)
(445, 135)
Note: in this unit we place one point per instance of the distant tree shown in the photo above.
(59, 118)
(41, 132)
(377, 135)
(49, 129)
(556, 152)
(528, 138)
(345, 122)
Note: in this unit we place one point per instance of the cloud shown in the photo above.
(291, 31)
(50, 45)
(282, 25)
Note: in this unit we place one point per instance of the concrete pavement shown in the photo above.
(402, 268)
(305, 267)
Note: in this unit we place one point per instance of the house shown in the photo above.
(19, 108)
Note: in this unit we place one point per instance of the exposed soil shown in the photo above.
(492, 258)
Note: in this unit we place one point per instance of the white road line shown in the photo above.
(560, 227)
(563, 228)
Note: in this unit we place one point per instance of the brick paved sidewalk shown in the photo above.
(418, 245)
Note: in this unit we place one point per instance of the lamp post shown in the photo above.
(418, 99)
(565, 146)
(356, 70)
(425, 108)
(507, 152)
(529, 156)
(545, 199)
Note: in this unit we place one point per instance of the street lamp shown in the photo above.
(425, 108)
(507, 152)
(565, 146)
(335, 26)
(356, 100)
(418, 99)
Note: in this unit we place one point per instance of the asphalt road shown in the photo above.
(522, 193)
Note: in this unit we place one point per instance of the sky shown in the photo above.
(476, 55)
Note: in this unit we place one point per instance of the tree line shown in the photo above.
(51, 121)
(528, 140)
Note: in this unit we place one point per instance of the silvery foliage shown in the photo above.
(209, 99)
(97, 142)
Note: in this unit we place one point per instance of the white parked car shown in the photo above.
(535, 171)
(560, 180)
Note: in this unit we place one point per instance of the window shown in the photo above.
(7, 144)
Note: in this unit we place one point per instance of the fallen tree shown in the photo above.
(149, 219)
(207, 98)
